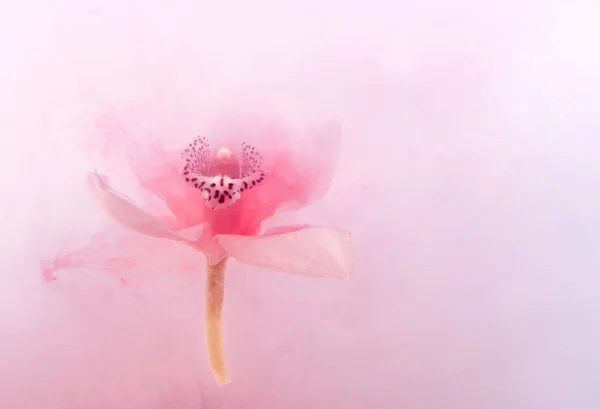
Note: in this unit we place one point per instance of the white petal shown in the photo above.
(310, 251)
(126, 213)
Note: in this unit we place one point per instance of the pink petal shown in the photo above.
(310, 251)
(155, 167)
(125, 212)
(199, 234)
(299, 164)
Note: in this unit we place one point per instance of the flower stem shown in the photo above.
(215, 288)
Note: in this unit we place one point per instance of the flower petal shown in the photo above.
(310, 251)
(298, 162)
(155, 167)
(122, 254)
(125, 212)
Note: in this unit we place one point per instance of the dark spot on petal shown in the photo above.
(196, 185)
(187, 179)
(213, 184)
(253, 183)
(194, 179)
(186, 173)
(221, 183)
(242, 189)
(216, 194)
(202, 184)
(245, 185)
(230, 186)
(222, 199)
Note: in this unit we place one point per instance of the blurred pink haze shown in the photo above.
(468, 173)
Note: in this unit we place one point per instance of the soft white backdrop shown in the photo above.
(469, 176)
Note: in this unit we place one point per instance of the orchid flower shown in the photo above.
(218, 198)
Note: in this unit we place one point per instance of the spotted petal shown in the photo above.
(220, 191)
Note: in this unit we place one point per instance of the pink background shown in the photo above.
(469, 176)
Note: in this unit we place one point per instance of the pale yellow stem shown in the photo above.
(215, 288)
